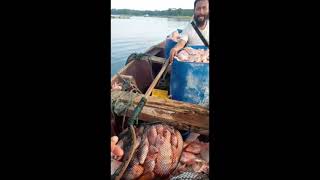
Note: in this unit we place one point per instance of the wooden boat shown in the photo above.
(143, 71)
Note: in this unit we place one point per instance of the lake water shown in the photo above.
(136, 35)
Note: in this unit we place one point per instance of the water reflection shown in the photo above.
(137, 34)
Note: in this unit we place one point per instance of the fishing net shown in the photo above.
(190, 175)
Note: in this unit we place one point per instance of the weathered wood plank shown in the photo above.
(181, 115)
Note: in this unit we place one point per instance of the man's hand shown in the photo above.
(173, 52)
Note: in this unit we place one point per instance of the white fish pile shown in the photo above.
(189, 54)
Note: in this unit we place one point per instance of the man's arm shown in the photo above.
(181, 43)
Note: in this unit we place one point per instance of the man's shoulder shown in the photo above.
(188, 28)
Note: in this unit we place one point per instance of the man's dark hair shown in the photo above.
(195, 3)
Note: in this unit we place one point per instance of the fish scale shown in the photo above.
(143, 150)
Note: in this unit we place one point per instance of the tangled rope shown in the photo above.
(120, 107)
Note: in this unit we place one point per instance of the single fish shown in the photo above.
(176, 150)
(152, 135)
(133, 172)
(159, 141)
(164, 160)
(187, 158)
(143, 150)
(167, 135)
(159, 129)
(194, 148)
(149, 164)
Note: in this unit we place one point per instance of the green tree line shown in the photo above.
(169, 12)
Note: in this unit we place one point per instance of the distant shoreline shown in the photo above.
(173, 17)
(120, 17)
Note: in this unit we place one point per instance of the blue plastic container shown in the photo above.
(189, 81)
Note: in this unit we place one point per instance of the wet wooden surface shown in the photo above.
(183, 116)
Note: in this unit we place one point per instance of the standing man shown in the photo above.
(189, 35)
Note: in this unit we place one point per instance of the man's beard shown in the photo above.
(200, 22)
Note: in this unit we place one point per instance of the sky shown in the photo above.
(151, 4)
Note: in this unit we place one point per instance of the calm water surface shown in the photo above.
(136, 35)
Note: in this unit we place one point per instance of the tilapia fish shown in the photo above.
(194, 148)
(143, 150)
(134, 170)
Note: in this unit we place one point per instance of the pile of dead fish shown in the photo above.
(189, 54)
(158, 150)
(195, 156)
(161, 152)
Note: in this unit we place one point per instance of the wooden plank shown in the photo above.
(155, 81)
(183, 116)
(154, 59)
